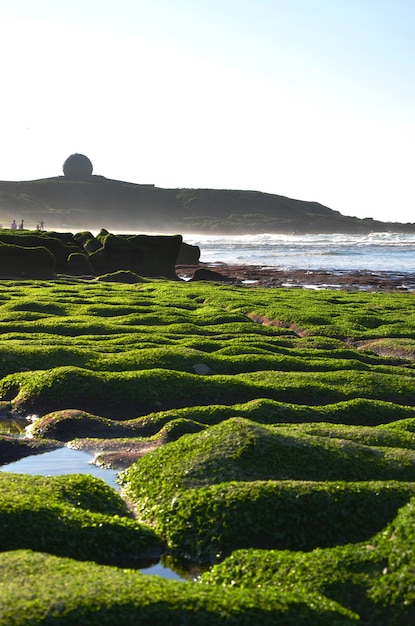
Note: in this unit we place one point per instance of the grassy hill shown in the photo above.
(115, 205)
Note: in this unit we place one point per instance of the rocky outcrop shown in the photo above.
(206, 274)
(59, 245)
(43, 255)
(79, 265)
(16, 261)
(87, 241)
(188, 255)
(145, 255)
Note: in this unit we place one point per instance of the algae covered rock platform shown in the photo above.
(265, 434)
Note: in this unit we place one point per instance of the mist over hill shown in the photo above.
(98, 202)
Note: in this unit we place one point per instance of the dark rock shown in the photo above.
(145, 255)
(102, 234)
(117, 245)
(66, 238)
(84, 254)
(100, 261)
(16, 261)
(55, 245)
(205, 274)
(79, 265)
(116, 253)
(188, 254)
(155, 255)
(88, 242)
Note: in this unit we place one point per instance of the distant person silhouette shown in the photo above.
(21, 225)
(14, 225)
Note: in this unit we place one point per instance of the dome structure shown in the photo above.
(77, 167)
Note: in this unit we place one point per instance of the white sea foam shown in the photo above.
(394, 252)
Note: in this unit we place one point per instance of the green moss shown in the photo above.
(43, 589)
(299, 434)
(113, 394)
(358, 411)
(231, 486)
(403, 424)
(343, 574)
(386, 437)
(373, 579)
(208, 523)
(134, 393)
(241, 449)
(395, 589)
(67, 424)
(77, 516)
(122, 276)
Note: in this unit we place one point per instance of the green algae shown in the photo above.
(66, 424)
(77, 516)
(240, 448)
(373, 579)
(297, 434)
(240, 483)
(43, 589)
(237, 356)
(132, 393)
(208, 523)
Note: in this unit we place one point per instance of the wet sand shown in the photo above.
(261, 276)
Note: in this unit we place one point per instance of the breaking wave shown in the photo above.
(371, 252)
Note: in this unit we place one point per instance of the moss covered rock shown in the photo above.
(26, 262)
(13, 449)
(293, 434)
(373, 579)
(243, 484)
(71, 592)
(77, 516)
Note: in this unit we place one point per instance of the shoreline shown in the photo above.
(264, 276)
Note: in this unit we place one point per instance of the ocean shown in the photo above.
(374, 252)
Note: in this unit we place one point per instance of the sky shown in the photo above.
(310, 99)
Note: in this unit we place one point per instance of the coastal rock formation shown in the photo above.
(285, 460)
(272, 487)
(45, 254)
(59, 245)
(207, 274)
(26, 262)
(145, 255)
(188, 254)
(79, 265)
(93, 525)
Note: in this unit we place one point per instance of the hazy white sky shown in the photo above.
(311, 99)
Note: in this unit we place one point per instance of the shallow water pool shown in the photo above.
(62, 461)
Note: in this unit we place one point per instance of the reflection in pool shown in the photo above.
(62, 461)
(13, 426)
